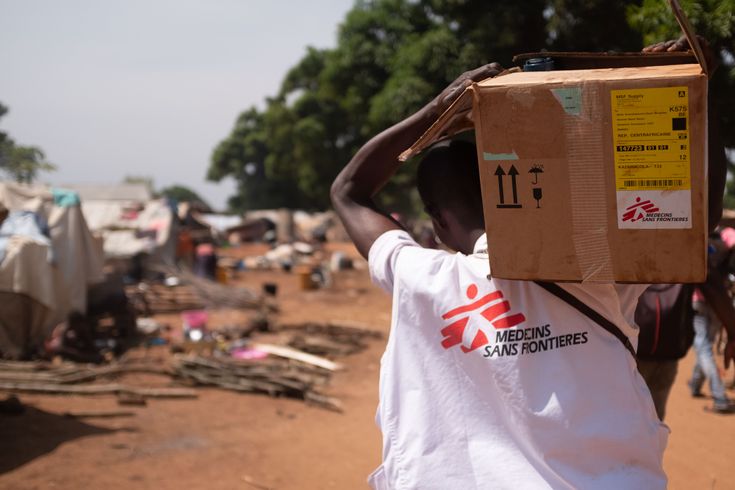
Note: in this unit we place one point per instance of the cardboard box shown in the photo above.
(591, 175)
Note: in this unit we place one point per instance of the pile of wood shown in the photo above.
(274, 376)
(193, 293)
(286, 373)
(152, 298)
(299, 370)
(77, 379)
(214, 294)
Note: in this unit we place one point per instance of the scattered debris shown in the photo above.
(297, 355)
(213, 294)
(148, 326)
(151, 298)
(224, 359)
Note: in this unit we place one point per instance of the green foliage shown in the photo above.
(3, 135)
(594, 25)
(21, 163)
(180, 193)
(393, 56)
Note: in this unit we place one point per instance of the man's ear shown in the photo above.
(437, 217)
(430, 209)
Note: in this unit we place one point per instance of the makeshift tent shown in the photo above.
(44, 269)
(129, 220)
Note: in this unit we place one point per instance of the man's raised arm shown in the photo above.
(373, 165)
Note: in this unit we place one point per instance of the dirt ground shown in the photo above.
(225, 440)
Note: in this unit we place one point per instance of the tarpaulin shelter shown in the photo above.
(130, 220)
(48, 258)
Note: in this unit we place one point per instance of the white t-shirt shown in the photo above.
(491, 383)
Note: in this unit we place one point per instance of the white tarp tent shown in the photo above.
(53, 274)
(129, 220)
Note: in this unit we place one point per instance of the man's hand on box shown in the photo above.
(681, 45)
(455, 89)
(672, 45)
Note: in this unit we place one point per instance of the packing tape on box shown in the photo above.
(585, 154)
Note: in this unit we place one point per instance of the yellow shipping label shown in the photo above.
(651, 138)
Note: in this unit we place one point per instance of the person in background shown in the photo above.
(668, 316)
(665, 318)
(712, 310)
(205, 264)
(185, 249)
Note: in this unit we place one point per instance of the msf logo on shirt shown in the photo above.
(493, 310)
(639, 210)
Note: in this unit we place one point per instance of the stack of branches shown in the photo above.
(286, 373)
(330, 339)
(149, 298)
(294, 372)
(192, 294)
(76, 379)
(274, 376)
(214, 294)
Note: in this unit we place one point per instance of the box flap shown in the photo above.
(456, 119)
(688, 31)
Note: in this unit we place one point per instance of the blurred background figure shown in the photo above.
(205, 264)
(708, 322)
(673, 317)
(665, 317)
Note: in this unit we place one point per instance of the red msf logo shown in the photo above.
(638, 210)
(495, 313)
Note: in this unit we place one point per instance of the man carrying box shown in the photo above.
(486, 382)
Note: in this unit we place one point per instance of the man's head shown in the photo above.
(448, 181)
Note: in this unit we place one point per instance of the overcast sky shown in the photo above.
(110, 88)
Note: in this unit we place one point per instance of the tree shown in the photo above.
(24, 163)
(391, 57)
(3, 135)
(21, 163)
(180, 193)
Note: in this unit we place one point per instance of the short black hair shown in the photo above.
(448, 176)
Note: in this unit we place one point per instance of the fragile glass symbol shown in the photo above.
(537, 194)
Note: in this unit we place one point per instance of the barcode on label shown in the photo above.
(653, 183)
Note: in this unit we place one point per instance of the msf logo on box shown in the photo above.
(639, 210)
(661, 212)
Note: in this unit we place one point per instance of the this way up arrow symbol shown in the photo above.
(513, 172)
(500, 173)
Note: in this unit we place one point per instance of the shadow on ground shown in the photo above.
(34, 433)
